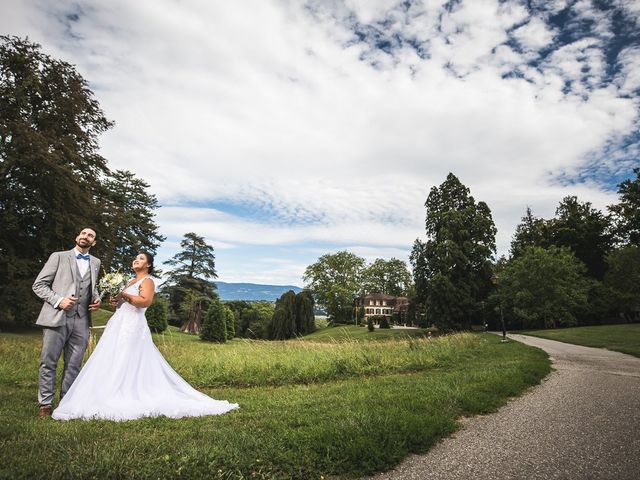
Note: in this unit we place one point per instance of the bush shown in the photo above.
(384, 323)
(370, 326)
(230, 323)
(214, 325)
(158, 314)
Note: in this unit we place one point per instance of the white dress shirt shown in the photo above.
(83, 265)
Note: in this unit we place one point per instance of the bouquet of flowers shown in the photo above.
(111, 284)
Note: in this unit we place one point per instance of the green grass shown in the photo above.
(100, 317)
(621, 338)
(341, 408)
(353, 332)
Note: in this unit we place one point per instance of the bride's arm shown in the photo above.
(145, 296)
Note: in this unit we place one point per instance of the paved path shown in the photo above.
(582, 422)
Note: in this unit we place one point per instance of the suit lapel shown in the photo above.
(93, 272)
(74, 268)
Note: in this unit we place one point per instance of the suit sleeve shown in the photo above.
(44, 280)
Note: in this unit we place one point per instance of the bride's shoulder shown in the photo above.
(149, 282)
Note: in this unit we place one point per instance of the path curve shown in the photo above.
(581, 422)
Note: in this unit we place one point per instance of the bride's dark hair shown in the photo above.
(149, 260)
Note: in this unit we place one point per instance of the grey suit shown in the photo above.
(64, 331)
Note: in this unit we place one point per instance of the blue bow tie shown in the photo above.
(82, 257)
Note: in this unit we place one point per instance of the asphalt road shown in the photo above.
(582, 422)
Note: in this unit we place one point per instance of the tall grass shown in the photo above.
(307, 409)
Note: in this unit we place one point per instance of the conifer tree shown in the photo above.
(214, 324)
(452, 269)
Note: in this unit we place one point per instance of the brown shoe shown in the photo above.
(45, 411)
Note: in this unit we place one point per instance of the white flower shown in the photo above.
(112, 284)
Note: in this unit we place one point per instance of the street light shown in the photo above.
(495, 281)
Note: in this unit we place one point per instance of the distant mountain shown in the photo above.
(253, 291)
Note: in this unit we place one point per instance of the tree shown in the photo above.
(193, 267)
(128, 220)
(531, 232)
(50, 168)
(543, 288)
(253, 318)
(158, 314)
(623, 279)
(214, 326)
(305, 318)
(192, 308)
(452, 269)
(391, 277)
(335, 280)
(283, 322)
(585, 230)
(626, 213)
(230, 323)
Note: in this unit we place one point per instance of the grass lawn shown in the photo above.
(353, 332)
(343, 408)
(621, 338)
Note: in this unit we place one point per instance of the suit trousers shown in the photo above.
(71, 339)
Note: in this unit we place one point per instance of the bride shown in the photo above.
(127, 377)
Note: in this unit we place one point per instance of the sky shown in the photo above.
(284, 130)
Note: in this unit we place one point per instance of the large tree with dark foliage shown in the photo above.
(626, 213)
(283, 322)
(189, 285)
(53, 181)
(452, 268)
(543, 288)
(293, 316)
(585, 230)
(50, 168)
(578, 226)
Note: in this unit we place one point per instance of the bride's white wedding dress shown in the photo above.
(126, 377)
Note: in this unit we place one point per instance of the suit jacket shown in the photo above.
(60, 278)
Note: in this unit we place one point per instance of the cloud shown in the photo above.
(269, 123)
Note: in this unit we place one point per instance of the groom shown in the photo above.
(67, 285)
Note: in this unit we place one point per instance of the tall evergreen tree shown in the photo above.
(128, 221)
(50, 168)
(452, 269)
(190, 277)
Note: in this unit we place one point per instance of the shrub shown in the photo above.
(370, 326)
(230, 323)
(214, 325)
(158, 314)
(384, 323)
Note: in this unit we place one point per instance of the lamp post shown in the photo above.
(495, 281)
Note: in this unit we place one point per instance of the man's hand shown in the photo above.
(67, 303)
(95, 305)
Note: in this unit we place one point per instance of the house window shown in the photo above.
(377, 311)
(384, 303)
(370, 302)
